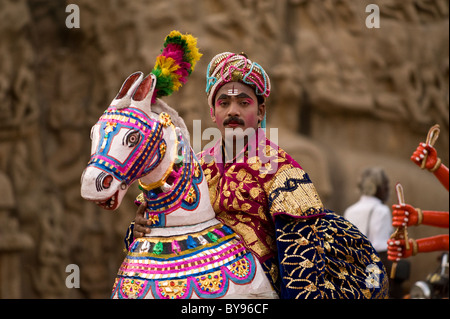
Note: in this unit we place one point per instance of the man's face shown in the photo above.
(236, 108)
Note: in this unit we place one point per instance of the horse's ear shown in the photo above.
(123, 98)
(144, 92)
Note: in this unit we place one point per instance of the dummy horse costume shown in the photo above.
(189, 253)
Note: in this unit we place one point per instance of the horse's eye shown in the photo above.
(133, 138)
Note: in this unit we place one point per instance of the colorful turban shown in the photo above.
(231, 67)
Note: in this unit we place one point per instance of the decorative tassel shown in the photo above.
(175, 63)
(227, 230)
(145, 247)
(134, 246)
(219, 233)
(191, 243)
(213, 237)
(176, 249)
(202, 240)
(158, 249)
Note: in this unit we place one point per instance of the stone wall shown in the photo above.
(344, 97)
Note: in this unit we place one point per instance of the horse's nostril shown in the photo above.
(107, 180)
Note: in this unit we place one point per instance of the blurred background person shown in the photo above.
(370, 213)
(373, 218)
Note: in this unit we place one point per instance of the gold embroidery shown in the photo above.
(320, 250)
(242, 218)
(140, 197)
(197, 170)
(173, 289)
(375, 258)
(240, 268)
(191, 196)
(247, 234)
(236, 204)
(267, 169)
(311, 287)
(254, 163)
(255, 191)
(224, 203)
(343, 273)
(329, 285)
(306, 264)
(302, 241)
(239, 194)
(132, 287)
(241, 174)
(210, 282)
(270, 151)
(329, 238)
(153, 218)
(298, 200)
(342, 260)
(366, 293)
(262, 213)
(212, 187)
(273, 272)
(230, 171)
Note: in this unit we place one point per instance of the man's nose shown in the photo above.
(233, 110)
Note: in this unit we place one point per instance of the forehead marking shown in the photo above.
(233, 91)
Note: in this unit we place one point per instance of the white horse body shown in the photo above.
(188, 253)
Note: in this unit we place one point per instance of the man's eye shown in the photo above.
(133, 138)
(222, 103)
(246, 102)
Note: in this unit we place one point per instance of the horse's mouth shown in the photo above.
(110, 204)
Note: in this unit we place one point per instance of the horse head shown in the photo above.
(127, 143)
(130, 140)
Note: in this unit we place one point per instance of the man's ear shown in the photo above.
(212, 113)
(261, 111)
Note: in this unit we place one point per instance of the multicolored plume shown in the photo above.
(175, 63)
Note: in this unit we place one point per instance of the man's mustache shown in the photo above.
(233, 119)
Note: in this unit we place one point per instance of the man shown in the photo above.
(264, 195)
(373, 218)
(370, 214)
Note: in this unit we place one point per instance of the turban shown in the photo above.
(230, 67)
